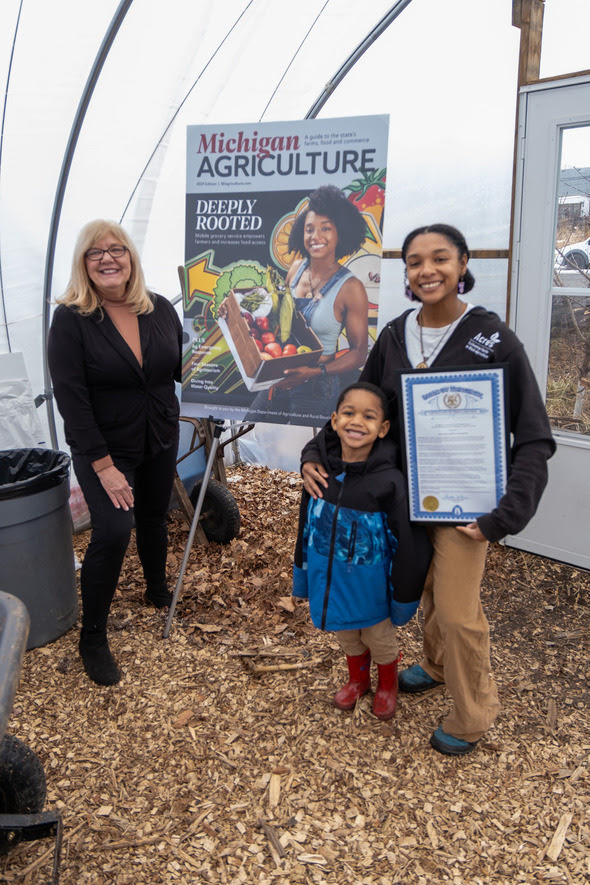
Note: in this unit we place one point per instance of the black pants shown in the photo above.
(152, 483)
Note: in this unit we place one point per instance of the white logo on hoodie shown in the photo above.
(481, 345)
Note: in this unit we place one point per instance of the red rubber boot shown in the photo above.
(385, 699)
(359, 681)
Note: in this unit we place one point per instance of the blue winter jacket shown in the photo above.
(358, 559)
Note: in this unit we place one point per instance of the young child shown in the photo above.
(358, 560)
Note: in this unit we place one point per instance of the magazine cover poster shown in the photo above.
(283, 244)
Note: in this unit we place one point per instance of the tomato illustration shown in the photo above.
(274, 349)
(368, 193)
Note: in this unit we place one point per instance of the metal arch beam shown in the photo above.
(99, 62)
(178, 109)
(70, 150)
(354, 56)
(4, 316)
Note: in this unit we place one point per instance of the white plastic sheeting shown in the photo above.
(20, 427)
(445, 71)
(169, 65)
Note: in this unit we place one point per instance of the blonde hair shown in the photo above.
(80, 292)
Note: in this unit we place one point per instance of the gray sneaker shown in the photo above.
(414, 679)
(449, 745)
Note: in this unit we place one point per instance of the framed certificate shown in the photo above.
(456, 441)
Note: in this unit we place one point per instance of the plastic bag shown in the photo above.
(28, 471)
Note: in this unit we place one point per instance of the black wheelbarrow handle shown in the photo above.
(14, 630)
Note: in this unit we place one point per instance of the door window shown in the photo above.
(568, 380)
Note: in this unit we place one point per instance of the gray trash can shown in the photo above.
(36, 550)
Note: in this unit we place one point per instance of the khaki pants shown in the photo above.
(457, 633)
(380, 639)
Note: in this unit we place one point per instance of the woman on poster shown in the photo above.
(332, 300)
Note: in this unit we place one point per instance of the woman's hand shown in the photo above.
(472, 531)
(295, 377)
(315, 477)
(116, 487)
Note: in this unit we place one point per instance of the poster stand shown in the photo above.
(218, 428)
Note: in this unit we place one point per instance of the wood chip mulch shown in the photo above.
(219, 757)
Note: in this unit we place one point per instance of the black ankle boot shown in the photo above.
(161, 598)
(96, 656)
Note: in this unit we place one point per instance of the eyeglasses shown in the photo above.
(114, 252)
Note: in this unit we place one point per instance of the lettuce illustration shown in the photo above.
(239, 275)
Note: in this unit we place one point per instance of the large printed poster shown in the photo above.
(282, 265)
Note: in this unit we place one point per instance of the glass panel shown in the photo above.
(572, 239)
(568, 381)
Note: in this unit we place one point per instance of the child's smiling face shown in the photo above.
(359, 421)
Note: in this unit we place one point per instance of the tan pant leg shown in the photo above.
(351, 642)
(380, 639)
(457, 634)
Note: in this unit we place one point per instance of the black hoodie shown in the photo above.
(480, 338)
(358, 558)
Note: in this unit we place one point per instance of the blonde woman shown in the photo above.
(114, 353)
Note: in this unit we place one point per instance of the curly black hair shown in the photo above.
(329, 200)
(454, 236)
(371, 388)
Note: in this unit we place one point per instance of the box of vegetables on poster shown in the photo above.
(265, 332)
(248, 185)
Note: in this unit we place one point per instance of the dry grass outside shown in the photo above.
(566, 355)
(194, 770)
(568, 233)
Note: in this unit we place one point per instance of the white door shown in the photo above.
(550, 300)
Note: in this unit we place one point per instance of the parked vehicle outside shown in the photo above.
(574, 256)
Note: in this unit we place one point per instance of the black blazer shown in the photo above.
(110, 404)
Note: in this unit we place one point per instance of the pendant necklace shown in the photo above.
(439, 343)
(314, 291)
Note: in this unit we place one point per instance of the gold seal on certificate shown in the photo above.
(455, 442)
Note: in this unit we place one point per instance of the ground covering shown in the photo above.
(219, 757)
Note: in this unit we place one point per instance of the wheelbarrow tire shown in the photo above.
(220, 515)
(22, 784)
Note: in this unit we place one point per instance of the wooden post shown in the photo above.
(528, 16)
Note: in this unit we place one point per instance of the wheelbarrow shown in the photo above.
(219, 517)
(22, 778)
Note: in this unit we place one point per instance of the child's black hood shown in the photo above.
(382, 456)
